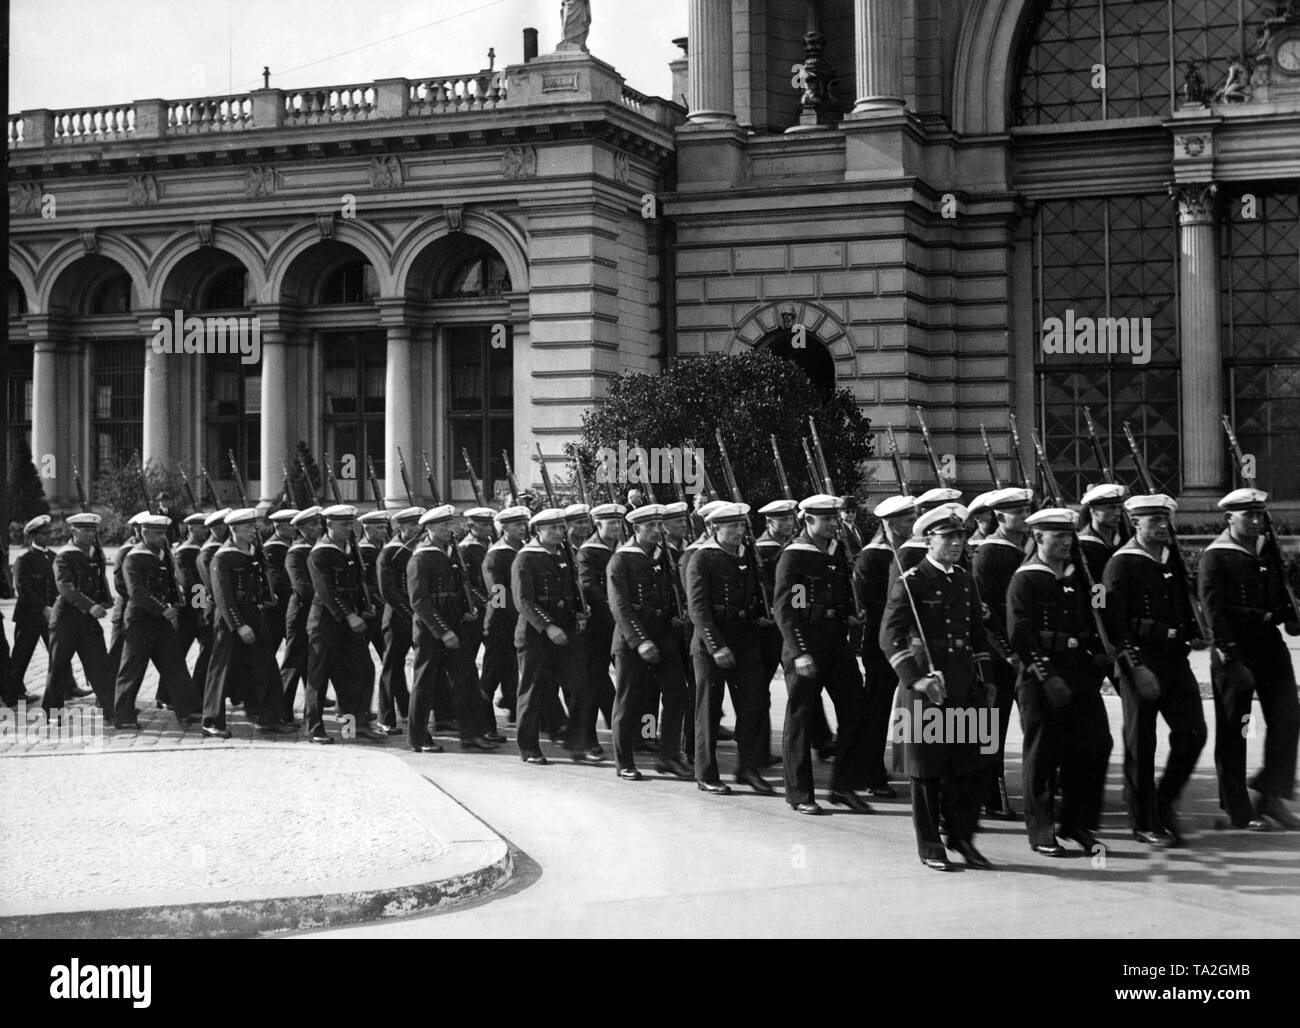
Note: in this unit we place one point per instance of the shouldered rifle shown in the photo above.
(1015, 452)
(820, 454)
(311, 486)
(897, 459)
(1108, 475)
(166, 558)
(674, 574)
(1271, 544)
(988, 459)
(293, 496)
(354, 550)
(511, 481)
(207, 480)
(564, 535)
(751, 550)
(374, 483)
(780, 469)
(455, 555)
(929, 450)
(85, 509)
(257, 532)
(189, 492)
(809, 464)
(584, 496)
(1149, 484)
(479, 495)
(406, 479)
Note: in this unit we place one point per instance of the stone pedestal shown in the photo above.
(567, 76)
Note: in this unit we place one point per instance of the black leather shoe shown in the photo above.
(716, 788)
(479, 743)
(428, 747)
(847, 798)
(495, 737)
(446, 727)
(322, 738)
(1169, 822)
(76, 692)
(213, 732)
(596, 752)
(276, 729)
(1054, 850)
(756, 782)
(533, 758)
(1275, 810)
(725, 734)
(971, 855)
(1156, 839)
(1002, 814)
(629, 774)
(390, 730)
(881, 792)
(806, 808)
(938, 864)
(675, 767)
(373, 734)
(826, 752)
(1082, 836)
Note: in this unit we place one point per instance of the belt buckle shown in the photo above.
(1071, 643)
(1171, 633)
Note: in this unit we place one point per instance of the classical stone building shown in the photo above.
(912, 199)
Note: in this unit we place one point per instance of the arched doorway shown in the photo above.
(801, 347)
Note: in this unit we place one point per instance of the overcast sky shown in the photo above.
(69, 53)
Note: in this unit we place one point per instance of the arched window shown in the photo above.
(1086, 60)
(481, 275)
(17, 298)
(112, 295)
(352, 282)
(809, 353)
(227, 290)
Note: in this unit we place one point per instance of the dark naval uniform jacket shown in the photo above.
(640, 596)
(544, 591)
(34, 583)
(813, 596)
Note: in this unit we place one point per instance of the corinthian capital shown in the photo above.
(1195, 200)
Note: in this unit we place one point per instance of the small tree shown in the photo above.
(750, 397)
(26, 494)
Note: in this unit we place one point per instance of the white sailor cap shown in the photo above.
(242, 516)
(405, 517)
(981, 502)
(820, 503)
(547, 516)
(729, 513)
(37, 523)
(1156, 503)
(433, 515)
(155, 521)
(283, 516)
(778, 508)
(1010, 497)
(516, 513)
(946, 518)
(480, 514)
(1244, 499)
(303, 516)
(1103, 495)
(339, 512)
(933, 497)
(706, 509)
(138, 518)
(892, 506)
(650, 512)
(1054, 519)
(677, 509)
(576, 510)
(198, 518)
(374, 517)
(608, 511)
(85, 519)
(217, 517)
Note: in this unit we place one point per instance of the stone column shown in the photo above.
(1201, 350)
(710, 70)
(399, 423)
(159, 429)
(45, 411)
(878, 49)
(277, 444)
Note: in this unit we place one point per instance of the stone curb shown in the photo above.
(476, 861)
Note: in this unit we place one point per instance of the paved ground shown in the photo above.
(597, 856)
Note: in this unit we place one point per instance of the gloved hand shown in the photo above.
(1056, 691)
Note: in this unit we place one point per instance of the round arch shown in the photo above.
(21, 272)
(80, 282)
(298, 241)
(820, 322)
(132, 260)
(187, 285)
(183, 245)
(991, 33)
(412, 248)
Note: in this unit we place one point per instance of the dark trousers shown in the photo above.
(336, 654)
(956, 799)
(500, 664)
(749, 695)
(394, 697)
(685, 636)
(254, 664)
(78, 633)
(880, 682)
(115, 643)
(599, 685)
(769, 648)
(1180, 703)
(435, 662)
(837, 673)
(1004, 677)
(294, 664)
(1269, 660)
(27, 633)
(542, 667)
(147, 638)
(635, 680)
(1072, 742)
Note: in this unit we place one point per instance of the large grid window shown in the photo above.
(1261, 324)
(1144, 47)
(481, 406)
(355, 364)
(18, 430)
(117, 401)
(1108, 258)
(234, 418)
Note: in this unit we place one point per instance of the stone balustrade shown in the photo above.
(484, 91)
(209, 114)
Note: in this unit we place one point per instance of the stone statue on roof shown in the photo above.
(575, 17)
